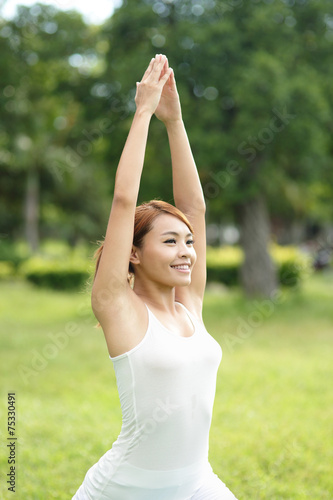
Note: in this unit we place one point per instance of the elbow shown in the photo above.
(202, 207)
(123, 198)
(198, 206)
(200, 203)
(199, 209)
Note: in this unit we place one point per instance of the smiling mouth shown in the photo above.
(183, 267)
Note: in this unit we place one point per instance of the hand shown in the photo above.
(168, 109)
(149, 90)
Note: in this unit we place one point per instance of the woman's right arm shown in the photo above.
(110, 284)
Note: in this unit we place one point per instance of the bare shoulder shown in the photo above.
(126, 323)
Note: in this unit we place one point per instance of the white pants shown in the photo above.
(212, 489)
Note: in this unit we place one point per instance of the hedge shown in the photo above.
(224, 263)
(64, 274)
(7, 270)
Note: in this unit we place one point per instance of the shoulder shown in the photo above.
(126, 324)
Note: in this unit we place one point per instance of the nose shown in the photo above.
(184, 251)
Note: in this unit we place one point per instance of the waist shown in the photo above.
(192, 474)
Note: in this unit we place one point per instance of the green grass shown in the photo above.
(271, 435)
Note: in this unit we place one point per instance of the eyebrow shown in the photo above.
(174, 233)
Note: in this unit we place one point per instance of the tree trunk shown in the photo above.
(31, 210)
(258, 273)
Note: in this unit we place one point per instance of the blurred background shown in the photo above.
(255, 82)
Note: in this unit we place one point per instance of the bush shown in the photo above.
(291, 263)
(7, 270)
(224, 263)
(289, 274)
(13, 254)
(62, 268)
(57, 265)
(64, 274)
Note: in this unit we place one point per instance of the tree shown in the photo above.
(255, 85)
(253, 80)
(47, 132)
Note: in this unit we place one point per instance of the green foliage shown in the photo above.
(223, 265)
(7, 270)
(293, 266)
(59, 266)
(256, 98)
(257, 103)
(62, 267)
(56, 274)
(47, 129)
(13, 254)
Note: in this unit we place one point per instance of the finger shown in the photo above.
(165, 77)
(157, 68)
(160, 63)
(169, 81)
(160, 59)
(165, 68)
(149, 69)
(173, 80)
(166, 65)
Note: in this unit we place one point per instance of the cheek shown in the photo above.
(156, 256)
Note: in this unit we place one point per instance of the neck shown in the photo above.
(159, 296)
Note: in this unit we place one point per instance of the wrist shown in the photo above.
(171, 124)
(143, 113)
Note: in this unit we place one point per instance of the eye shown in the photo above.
(170, 241)
(190, 242)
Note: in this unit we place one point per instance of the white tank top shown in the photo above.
(166, 388)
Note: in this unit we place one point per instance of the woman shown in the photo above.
(164, 359)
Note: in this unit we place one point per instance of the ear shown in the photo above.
(134, 257)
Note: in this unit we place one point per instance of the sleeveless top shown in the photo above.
(166, 388)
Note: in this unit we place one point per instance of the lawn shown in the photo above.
(271, 435)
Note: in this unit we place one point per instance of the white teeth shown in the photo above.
(185, 266)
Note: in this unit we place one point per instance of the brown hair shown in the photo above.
(145, 214)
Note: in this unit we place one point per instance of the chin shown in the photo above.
(178, 283)
(184, 282)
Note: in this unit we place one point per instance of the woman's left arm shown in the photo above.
(187, 190)
(189, 198)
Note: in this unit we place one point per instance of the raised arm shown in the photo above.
(187, 190)
(110, 283)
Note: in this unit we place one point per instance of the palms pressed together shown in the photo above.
(168, 109)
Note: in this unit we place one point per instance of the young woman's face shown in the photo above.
(167, 255)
